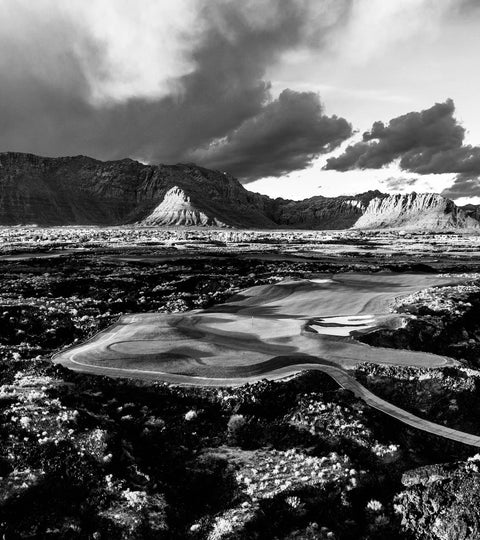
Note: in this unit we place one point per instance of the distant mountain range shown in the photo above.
(83, 191)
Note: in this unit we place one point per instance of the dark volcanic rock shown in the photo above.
(440, 502)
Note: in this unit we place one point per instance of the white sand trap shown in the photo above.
(348, 319)
(346, 325)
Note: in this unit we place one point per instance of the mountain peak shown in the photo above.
(371, 194)
(176, 208)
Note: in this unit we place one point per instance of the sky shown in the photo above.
(295, 98)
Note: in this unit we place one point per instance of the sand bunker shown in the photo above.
(343, 326)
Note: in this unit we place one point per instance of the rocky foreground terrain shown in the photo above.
(84, 191)
(91, 457)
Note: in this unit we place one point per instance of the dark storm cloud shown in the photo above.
(284, 136)
(464, 186)
(417, 138)
(45, 103)
(425, 142)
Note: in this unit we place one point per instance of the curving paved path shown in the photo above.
(270, 331)
(349, 383)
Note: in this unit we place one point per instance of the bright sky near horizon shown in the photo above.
(295, 98)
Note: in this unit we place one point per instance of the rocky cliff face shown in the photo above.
(322, 212)
(472, 210)
(84, 191)
(415, 211)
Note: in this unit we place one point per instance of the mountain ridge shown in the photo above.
(79, 190)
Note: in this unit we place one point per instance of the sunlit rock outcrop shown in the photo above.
(428, 211)
(177, 209)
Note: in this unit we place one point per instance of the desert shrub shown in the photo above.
(245, 432)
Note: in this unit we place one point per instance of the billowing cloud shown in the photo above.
(285, 136)
(75, 82)
(425, 142)
(418, 139)
(465, 185)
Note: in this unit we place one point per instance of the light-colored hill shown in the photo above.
(177, 209)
